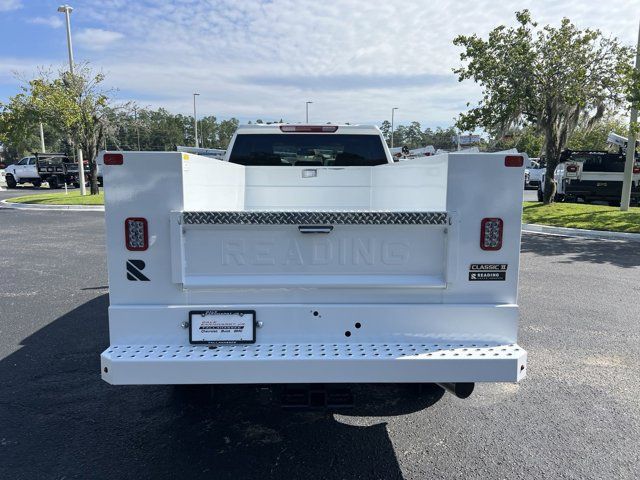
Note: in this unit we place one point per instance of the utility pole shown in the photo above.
(307, 109)
(631, 144)
(42, 138)
(393, 110)
(135, 119)
(67, 9)
(195, 119)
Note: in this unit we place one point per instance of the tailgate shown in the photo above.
(309, 249)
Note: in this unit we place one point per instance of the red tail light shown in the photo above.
(513, 161)
(636, 168)
(136, 234)
(113, 159)
(309, 128)
(491, 234)
(572, 168)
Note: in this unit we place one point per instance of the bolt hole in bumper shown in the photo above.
(313, 363)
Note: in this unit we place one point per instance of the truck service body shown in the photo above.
(307, 255)
(593, 176)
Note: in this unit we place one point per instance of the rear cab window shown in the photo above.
(308, 149)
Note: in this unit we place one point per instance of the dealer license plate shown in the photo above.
(222, 326)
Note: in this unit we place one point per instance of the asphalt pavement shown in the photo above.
(576, 415)
(530, 196)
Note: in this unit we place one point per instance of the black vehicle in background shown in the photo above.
(588, 176)
(57, 169)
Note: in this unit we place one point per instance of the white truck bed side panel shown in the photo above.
(419, 185)
(472, 196)
(148, 185)
(206, 187)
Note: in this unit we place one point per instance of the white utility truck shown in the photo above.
(592, 176)
(22, 172)
(307, 256)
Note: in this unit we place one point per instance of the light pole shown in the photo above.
(67, 9)
(393, 110)
(307, 109)
(42, 137)
(195, 118)
(631, 146)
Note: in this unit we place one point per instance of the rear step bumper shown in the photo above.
(313, 363)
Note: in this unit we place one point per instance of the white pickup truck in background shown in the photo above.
(25, 171)
(307, 256)
(534, 172)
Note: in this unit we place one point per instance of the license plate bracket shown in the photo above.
(222, 326)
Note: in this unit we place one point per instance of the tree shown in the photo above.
(440, 138)
(525, 139)
(552, 78)
(595, 138)
(210, 129)
(413, 136)
(75, 107)
(385, 128)
(225, 131)
(399, 136)
(18, 129)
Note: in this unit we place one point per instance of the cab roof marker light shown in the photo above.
(309, 128)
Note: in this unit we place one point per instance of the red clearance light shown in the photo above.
(513, 161)
(309, 128)
(113, 159)
(136, 234)
(491, 233)
(572, 168)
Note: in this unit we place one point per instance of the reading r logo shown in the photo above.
(134, 271)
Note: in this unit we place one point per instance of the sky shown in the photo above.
(354, 59)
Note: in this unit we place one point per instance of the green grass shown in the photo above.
(60, 198)
(577, 215)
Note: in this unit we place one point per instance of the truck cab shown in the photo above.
(534, 172)
(307, 256)
(25, 171)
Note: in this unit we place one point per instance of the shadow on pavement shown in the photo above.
(58, 419)
(619, 253)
